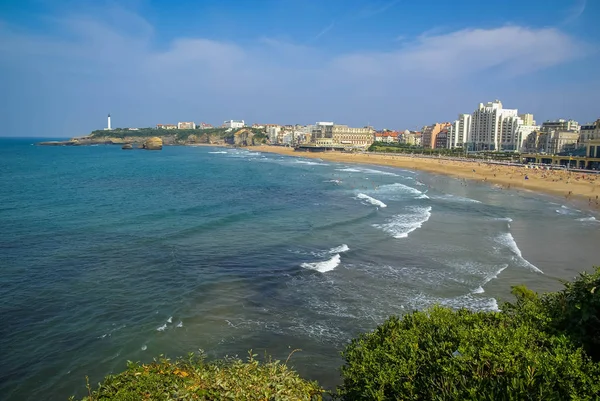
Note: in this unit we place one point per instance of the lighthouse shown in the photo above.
(108, 126)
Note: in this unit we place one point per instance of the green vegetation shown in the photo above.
(540, 347)
(195, 379)
(534, 349)
(179, 134)
(385, 147)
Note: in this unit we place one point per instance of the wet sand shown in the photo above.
(581, 188)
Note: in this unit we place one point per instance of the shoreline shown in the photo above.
(581, 189)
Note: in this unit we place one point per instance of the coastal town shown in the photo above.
(489, 128)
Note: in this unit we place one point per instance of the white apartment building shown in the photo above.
(273, 133)
(234, 124)
(522, 135)
(459, 132)
(496, 128)
(509, 124)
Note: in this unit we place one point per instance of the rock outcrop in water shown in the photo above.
(154, 143)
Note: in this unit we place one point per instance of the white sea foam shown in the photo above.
(180, 324)
(566, 210)
(390, 189)
(162, 328)
(371, 200)
(503, 219)
(170, 319)
(144, 347)
(324, 266)
(490, 277)
(401, 225)
(507, 240)
(310, 163)
(373, 171)
(348, 170)
(339, 249)
(455, 198)
(590, 218)
(219, 153)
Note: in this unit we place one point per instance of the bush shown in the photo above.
(574, 311)
(194, 379)
(441, 354)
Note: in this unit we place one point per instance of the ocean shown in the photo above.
(109, 255)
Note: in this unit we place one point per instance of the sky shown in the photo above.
(397, 64)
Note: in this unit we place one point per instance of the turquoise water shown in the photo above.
(109, 255)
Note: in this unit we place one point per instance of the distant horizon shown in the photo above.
(385, 63)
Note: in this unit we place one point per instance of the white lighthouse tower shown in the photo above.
(108, 126)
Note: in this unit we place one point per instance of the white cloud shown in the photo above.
(268, 79)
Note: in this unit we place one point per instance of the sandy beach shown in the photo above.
(581, 188)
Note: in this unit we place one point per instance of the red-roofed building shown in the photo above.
(386, 136)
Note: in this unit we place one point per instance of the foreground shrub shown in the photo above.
(441, 354)
(194, 379)
(575, 311)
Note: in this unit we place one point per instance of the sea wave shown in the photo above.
(311, 163)
(508, 241)
(221, 152)
(324, 266)
(480, 290)
(590, 218)
(400, 188)
(456, 198)
(371, 200)
(339, 249)
(366, 171)
(401, 225)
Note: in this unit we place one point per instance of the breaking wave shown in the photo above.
(401, 225)
(371, 200)
(508, 240)
(324, 266)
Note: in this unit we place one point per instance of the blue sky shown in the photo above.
(395, 64)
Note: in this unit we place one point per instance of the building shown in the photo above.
(562, 142)
(186, 125)
(258, 126)
(273, 131)
(509, 126)
(410, 138)
(234, 124)
(321, 130)
(430, 133)
(592, 148)
(459, 132)
(527, 119)
(441, 140)
(522, 135)
(108, 127)
(387, 136)
(205, 126)
(560, 125)
(494, 127)
(353, 137)
(589, 132)
(166, 126)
